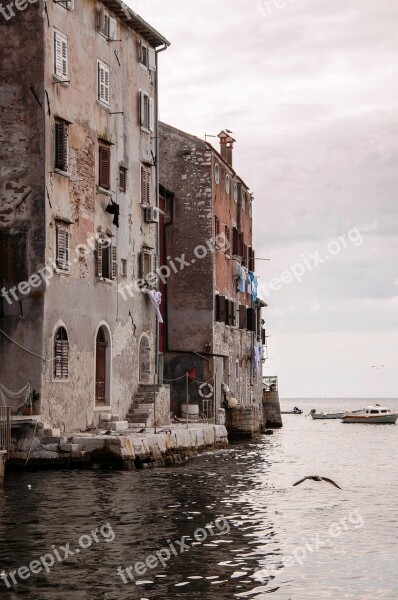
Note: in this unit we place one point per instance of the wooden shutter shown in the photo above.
(235, 241)
(263, 337)
(113, 258)
(151, 115)
(245, 256)
(145, 186)
(63, 248)
(142, 109)
(103, 83)
(240, 244)
(230, 309)
(222, 309)
(112, 28)
(227, 313)
(61, 354)
(251, 319)
(104, 167)
(252, 260)
(218, 308)
(151, 59)
(61, 146)
(58, 54)
(98, 257)
(216, 229)
(242, 317)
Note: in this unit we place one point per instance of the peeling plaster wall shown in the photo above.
(22, 197)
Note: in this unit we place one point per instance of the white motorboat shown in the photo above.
(323, 416)
(371, 415)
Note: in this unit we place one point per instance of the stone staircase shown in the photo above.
(141, 413)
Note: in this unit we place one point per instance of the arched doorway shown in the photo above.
(145, 360)
(102, 368)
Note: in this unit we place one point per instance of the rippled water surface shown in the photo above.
(309, 541)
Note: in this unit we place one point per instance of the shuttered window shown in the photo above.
(240, 244)
(227, 240)
(104, 167)
(147, 111)
(145, 186)
(251, 320)
(252, 260)
(220, 309)
(242, 317)
(61, 146)
(61, 354)
(60, 55)
(230, 312)
(106, 259)
(245, 256)
(103, 83)
(217, 231)
(122, 179)
(149, 263)
(235, 242)
(62, 243)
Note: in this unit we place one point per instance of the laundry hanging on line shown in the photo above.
(156, 300)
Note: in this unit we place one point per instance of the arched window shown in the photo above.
(61, 354)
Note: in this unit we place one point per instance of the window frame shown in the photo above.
(146, 112)
(146, 181)
(61, 158)
(103, 244)
(122, 179)
(104, 166)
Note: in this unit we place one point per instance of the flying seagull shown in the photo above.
(317, 478)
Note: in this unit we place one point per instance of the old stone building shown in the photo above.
(78, 206)
(213, 326)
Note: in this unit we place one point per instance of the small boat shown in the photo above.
(295, 411)
(371, 415)
(323, 415)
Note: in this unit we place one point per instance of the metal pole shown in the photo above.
(187, 399)
(154, 402)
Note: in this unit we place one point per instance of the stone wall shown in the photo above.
(244, 421)
(272, 409)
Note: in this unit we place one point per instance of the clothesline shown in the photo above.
(190, 377)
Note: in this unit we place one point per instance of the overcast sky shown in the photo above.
(310, 90)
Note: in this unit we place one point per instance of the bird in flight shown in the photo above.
(317, 478)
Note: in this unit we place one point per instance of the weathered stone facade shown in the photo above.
(202, 199)
(36, 198)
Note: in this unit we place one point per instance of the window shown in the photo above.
(220, 303)
(236, 192)
(61, 354)
(252, 260)
(148, 267)
(104, 163)
(106, 259)
(251, 320)
(106, 24)
(103, 82)
(227, 240)
(69, 4)
(147, 57)
(217, 174)
(217, 231)
(237, 369)
(241, 245)
(235, 242)
(145, 186)
(123, 269)
(61, 146)
(230, 313)
(243, 199)
(147, 112)
(60, 56)
(227, 183)
(122, 179)
(62, 247)
(242, 317)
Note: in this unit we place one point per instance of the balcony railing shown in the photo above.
(5, 428)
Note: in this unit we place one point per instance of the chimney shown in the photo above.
(226, 146)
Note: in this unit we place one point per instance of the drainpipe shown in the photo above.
(157, 51)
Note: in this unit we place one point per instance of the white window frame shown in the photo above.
(149, 263)
(147, 112)
(60, 50)
(64, 353)
(103, 87)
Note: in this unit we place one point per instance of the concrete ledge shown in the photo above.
(127, 449)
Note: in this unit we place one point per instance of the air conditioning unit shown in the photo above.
(152, 214)
(236, 267)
